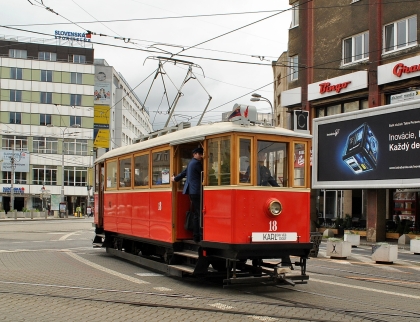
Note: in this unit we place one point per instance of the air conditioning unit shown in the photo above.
(300, 121)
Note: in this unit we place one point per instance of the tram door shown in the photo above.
(99, 189)
(183, 155)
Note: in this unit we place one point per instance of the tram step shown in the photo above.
(184, 268)
(187, 254)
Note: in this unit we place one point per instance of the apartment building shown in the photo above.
(350, 55)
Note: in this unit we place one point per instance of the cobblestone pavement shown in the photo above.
(51, 273)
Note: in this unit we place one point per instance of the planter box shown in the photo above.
(415, 246)
(361, 233)
(384, 253)
(338, 249)
(2, 215)
(392, 235)
(353, 239)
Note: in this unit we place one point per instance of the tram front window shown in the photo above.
(271, 167)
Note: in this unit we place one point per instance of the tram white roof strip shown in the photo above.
(106, 270)
(201, 131)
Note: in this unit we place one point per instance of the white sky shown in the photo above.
(224, 81)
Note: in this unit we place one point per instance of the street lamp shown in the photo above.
(257, 97)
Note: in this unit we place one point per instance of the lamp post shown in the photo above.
(257, 97)
(63, 132)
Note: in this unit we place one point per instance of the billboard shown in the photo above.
(372, 148)
(101, 126)
(20, 162)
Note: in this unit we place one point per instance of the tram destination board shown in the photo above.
(273, 237)
(373, 148)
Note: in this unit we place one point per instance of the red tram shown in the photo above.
(249, 230)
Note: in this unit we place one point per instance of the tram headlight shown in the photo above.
(274, 207)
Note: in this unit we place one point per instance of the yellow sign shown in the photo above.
(101, 139)
(101, 114)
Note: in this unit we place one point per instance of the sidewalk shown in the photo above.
(7, 219)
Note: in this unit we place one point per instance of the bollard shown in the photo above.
(32, 214)
(15, 215)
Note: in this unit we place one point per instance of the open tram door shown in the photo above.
(98, 212)
(181, 202)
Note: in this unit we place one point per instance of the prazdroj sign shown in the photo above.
(373, 148)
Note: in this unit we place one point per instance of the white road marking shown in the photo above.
(366, 289)
(68, 235)
(221, 306)
(262, 318)
(163, 289)
(149, 274)
(106, 270)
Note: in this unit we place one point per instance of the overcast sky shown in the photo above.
(226, 82)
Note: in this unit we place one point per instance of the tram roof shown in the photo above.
(199, 133)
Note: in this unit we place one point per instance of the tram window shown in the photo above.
(271, 168)
(219, 162)
(244, 161)
(141, 170)
(299, 164)
(125, 173)
(160, 167)
(111, 174)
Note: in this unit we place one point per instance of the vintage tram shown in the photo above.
(251, 230)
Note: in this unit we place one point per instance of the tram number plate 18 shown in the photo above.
(273, 237)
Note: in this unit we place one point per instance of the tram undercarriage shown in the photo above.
(243, 264)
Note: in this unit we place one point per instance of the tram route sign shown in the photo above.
(373, 148)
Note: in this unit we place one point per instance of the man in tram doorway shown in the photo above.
(264, 177)
(193, 188)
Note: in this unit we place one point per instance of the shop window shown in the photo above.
(160, 167)
(400, 34)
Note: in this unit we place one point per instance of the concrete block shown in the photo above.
(337, 248)
(384, 253)
(353, 239)
(328, 233)
(415, 246)
(404, 240)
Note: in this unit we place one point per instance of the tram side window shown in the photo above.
(111, 174)
(299, 165)
(160, 167)
(219, 162)
(271, 168)
(125, 173)
(244, 160)
(141, 170)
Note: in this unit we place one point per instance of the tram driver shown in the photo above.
(264, 177)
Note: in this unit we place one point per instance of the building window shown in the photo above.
(294, 70)
(45, 119)
(76, 78)
(75, 147)
(45, 145)
(356, 48)
(75, 99)
(15, 95)
(400, 34)
(15, 73)
(15, 118)
(47, 56)
(78, 59)
(46, 98)
(44, 174)
(75, 121)
(295, 15)
(20, 177)
(75, 176)
(18, 53)
(46, 75)
(14, 143)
